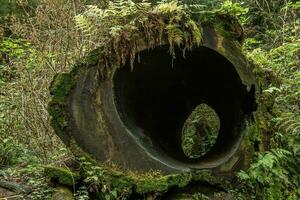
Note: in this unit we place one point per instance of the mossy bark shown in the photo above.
(124, 178)
(62, 193)
(63, 176)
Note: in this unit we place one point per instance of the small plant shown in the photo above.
(273, 176)
(104, 183)
(82, 193)
(200, 196)
(9, 152)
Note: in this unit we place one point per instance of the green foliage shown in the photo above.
(272, 28)
(273, 45)
(37, 181)
(13, 153)
(11, 10)
(32, 176)
(13, 47)
(16, 8)
(282, 61)
(107, 184)
(12, 52)
(200, 196)
(200, 131)
(110, 182)
(63, 176)
(273, 22)
(9, 152)
(82, 193)
(226, 16)
(235, 9)
(124, 27)
(15, 50)
(274, 176)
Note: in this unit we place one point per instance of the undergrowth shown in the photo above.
(274, 47)
(39, 40)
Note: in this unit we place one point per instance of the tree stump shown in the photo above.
(133, 117)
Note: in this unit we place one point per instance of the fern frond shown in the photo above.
(168, 8)
(289, 124)
(175, 34)
(196, 32)
(125, 22)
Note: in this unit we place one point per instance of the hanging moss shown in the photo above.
(123, 28)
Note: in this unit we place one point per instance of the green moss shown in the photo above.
(139, 25)
(226, 24)
(229, 27)
(127, 182)
(209, 177)
(62, 193)
(63, 176)
(60, 89)
(107, 178)
(161, 183)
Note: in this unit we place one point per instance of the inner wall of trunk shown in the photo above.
(159, 94)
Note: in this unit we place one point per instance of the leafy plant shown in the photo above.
(274, 49)
(9, 151)
(103, 184)
(82, 193)
(273, 176)
(200, 196)
(126, 26)
(17, 50)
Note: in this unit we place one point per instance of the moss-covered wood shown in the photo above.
(85, 116)
(63, 176)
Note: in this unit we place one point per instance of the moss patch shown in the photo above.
(62, 193)
(149, 183)
(109, 178)
(63, 176)
(60, 89)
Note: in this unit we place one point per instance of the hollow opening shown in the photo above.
(200, 131)
(155, 99)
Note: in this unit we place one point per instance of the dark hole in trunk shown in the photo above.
(157, 98)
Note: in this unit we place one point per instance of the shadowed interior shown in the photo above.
(157, 97)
